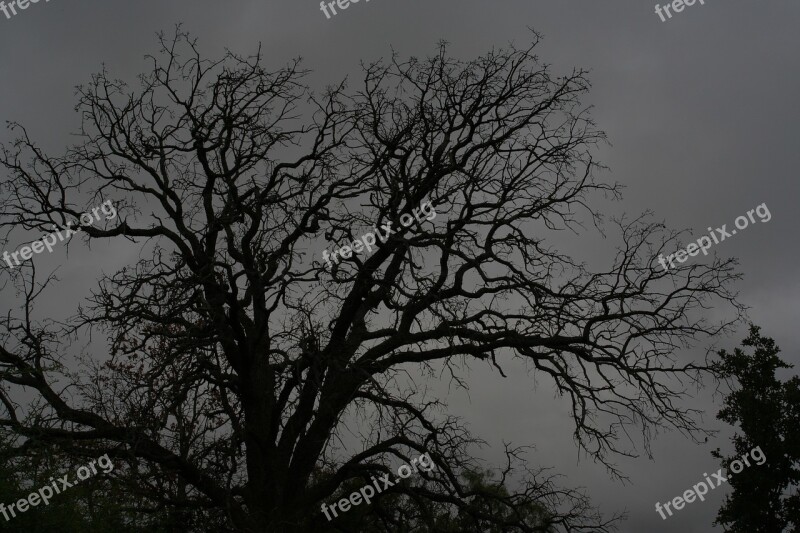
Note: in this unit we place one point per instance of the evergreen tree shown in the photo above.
(764, 498)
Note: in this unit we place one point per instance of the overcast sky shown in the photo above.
(701, 113)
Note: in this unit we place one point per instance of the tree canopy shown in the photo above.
(766, 410)
(239, 360)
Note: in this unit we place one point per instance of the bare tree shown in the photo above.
(240, 360)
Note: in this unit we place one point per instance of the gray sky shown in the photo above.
(700, 110)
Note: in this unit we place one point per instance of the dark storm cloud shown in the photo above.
(700, 110)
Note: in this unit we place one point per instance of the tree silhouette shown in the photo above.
(764, 497)
(241, 361)
(91, 506)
